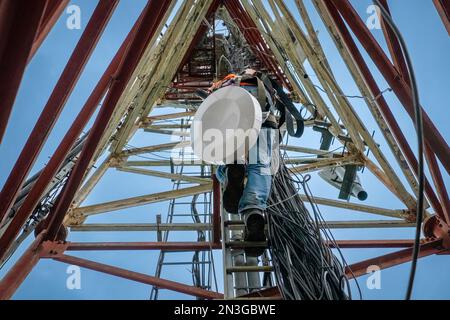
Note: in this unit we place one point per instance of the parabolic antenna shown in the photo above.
(227, 120)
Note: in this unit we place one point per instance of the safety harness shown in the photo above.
(271, 98)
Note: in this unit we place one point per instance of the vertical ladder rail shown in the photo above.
(242, 274)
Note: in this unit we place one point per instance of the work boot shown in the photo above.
(254, 231)
(234, 187)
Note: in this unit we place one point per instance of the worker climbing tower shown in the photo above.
(172, 213)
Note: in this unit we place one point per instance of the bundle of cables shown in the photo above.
(305, 266)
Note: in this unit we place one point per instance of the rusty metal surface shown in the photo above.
(19, 24)
(443, 8)
(52, 13)
(154, 11)
(64, 147)
(55, 104)
(432, 135)
(138, 277)
(393, 259)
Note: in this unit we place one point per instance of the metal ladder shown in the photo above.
(244, 276)
(203, 273)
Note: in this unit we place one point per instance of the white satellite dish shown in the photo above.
(226, 125)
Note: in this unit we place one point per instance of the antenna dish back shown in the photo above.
(223, 123)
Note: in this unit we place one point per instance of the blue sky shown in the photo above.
(429, 46)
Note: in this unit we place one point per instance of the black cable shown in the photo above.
(305, 266)
(419, 128)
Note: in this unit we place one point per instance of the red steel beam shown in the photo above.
(443, 8)
(198, 246)
(392, 259)
(166, 246)
(51, 16)
(400, 63)
(18, 273)
(368, 244)
(55, 162)
(432, 136)
(153, 14)
(55, 104)
(189, 246)
(19, 23)
(439, 183)
(394, 46)
(139, 277)
(194, 246)
(382, 103)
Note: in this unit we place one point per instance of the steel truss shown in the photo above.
(134, 86)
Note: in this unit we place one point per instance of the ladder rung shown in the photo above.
(189, 203)
(190, 215)
(259, 298)
(201, 287)
(250, 269)
(235, 225)
(228, 223)
(179, 251)
(182, 263)
(244, 244)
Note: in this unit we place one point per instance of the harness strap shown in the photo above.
(262, 95)
(289, 112)
(268, 91)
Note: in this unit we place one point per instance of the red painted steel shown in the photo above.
(443, 8)
(194, 246)
(206, 67)
(55, 104)
(139, 277)
(439, 183)
(19, 23)
(18, 273)
(166, 246)
(393, 259)
(382, 103)
(154, 13)
(64, 147)
(124, 64)
(51, 16)
(354, 244)
(400, 63)
(432, 136)
(435, 227)
(394, 46)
